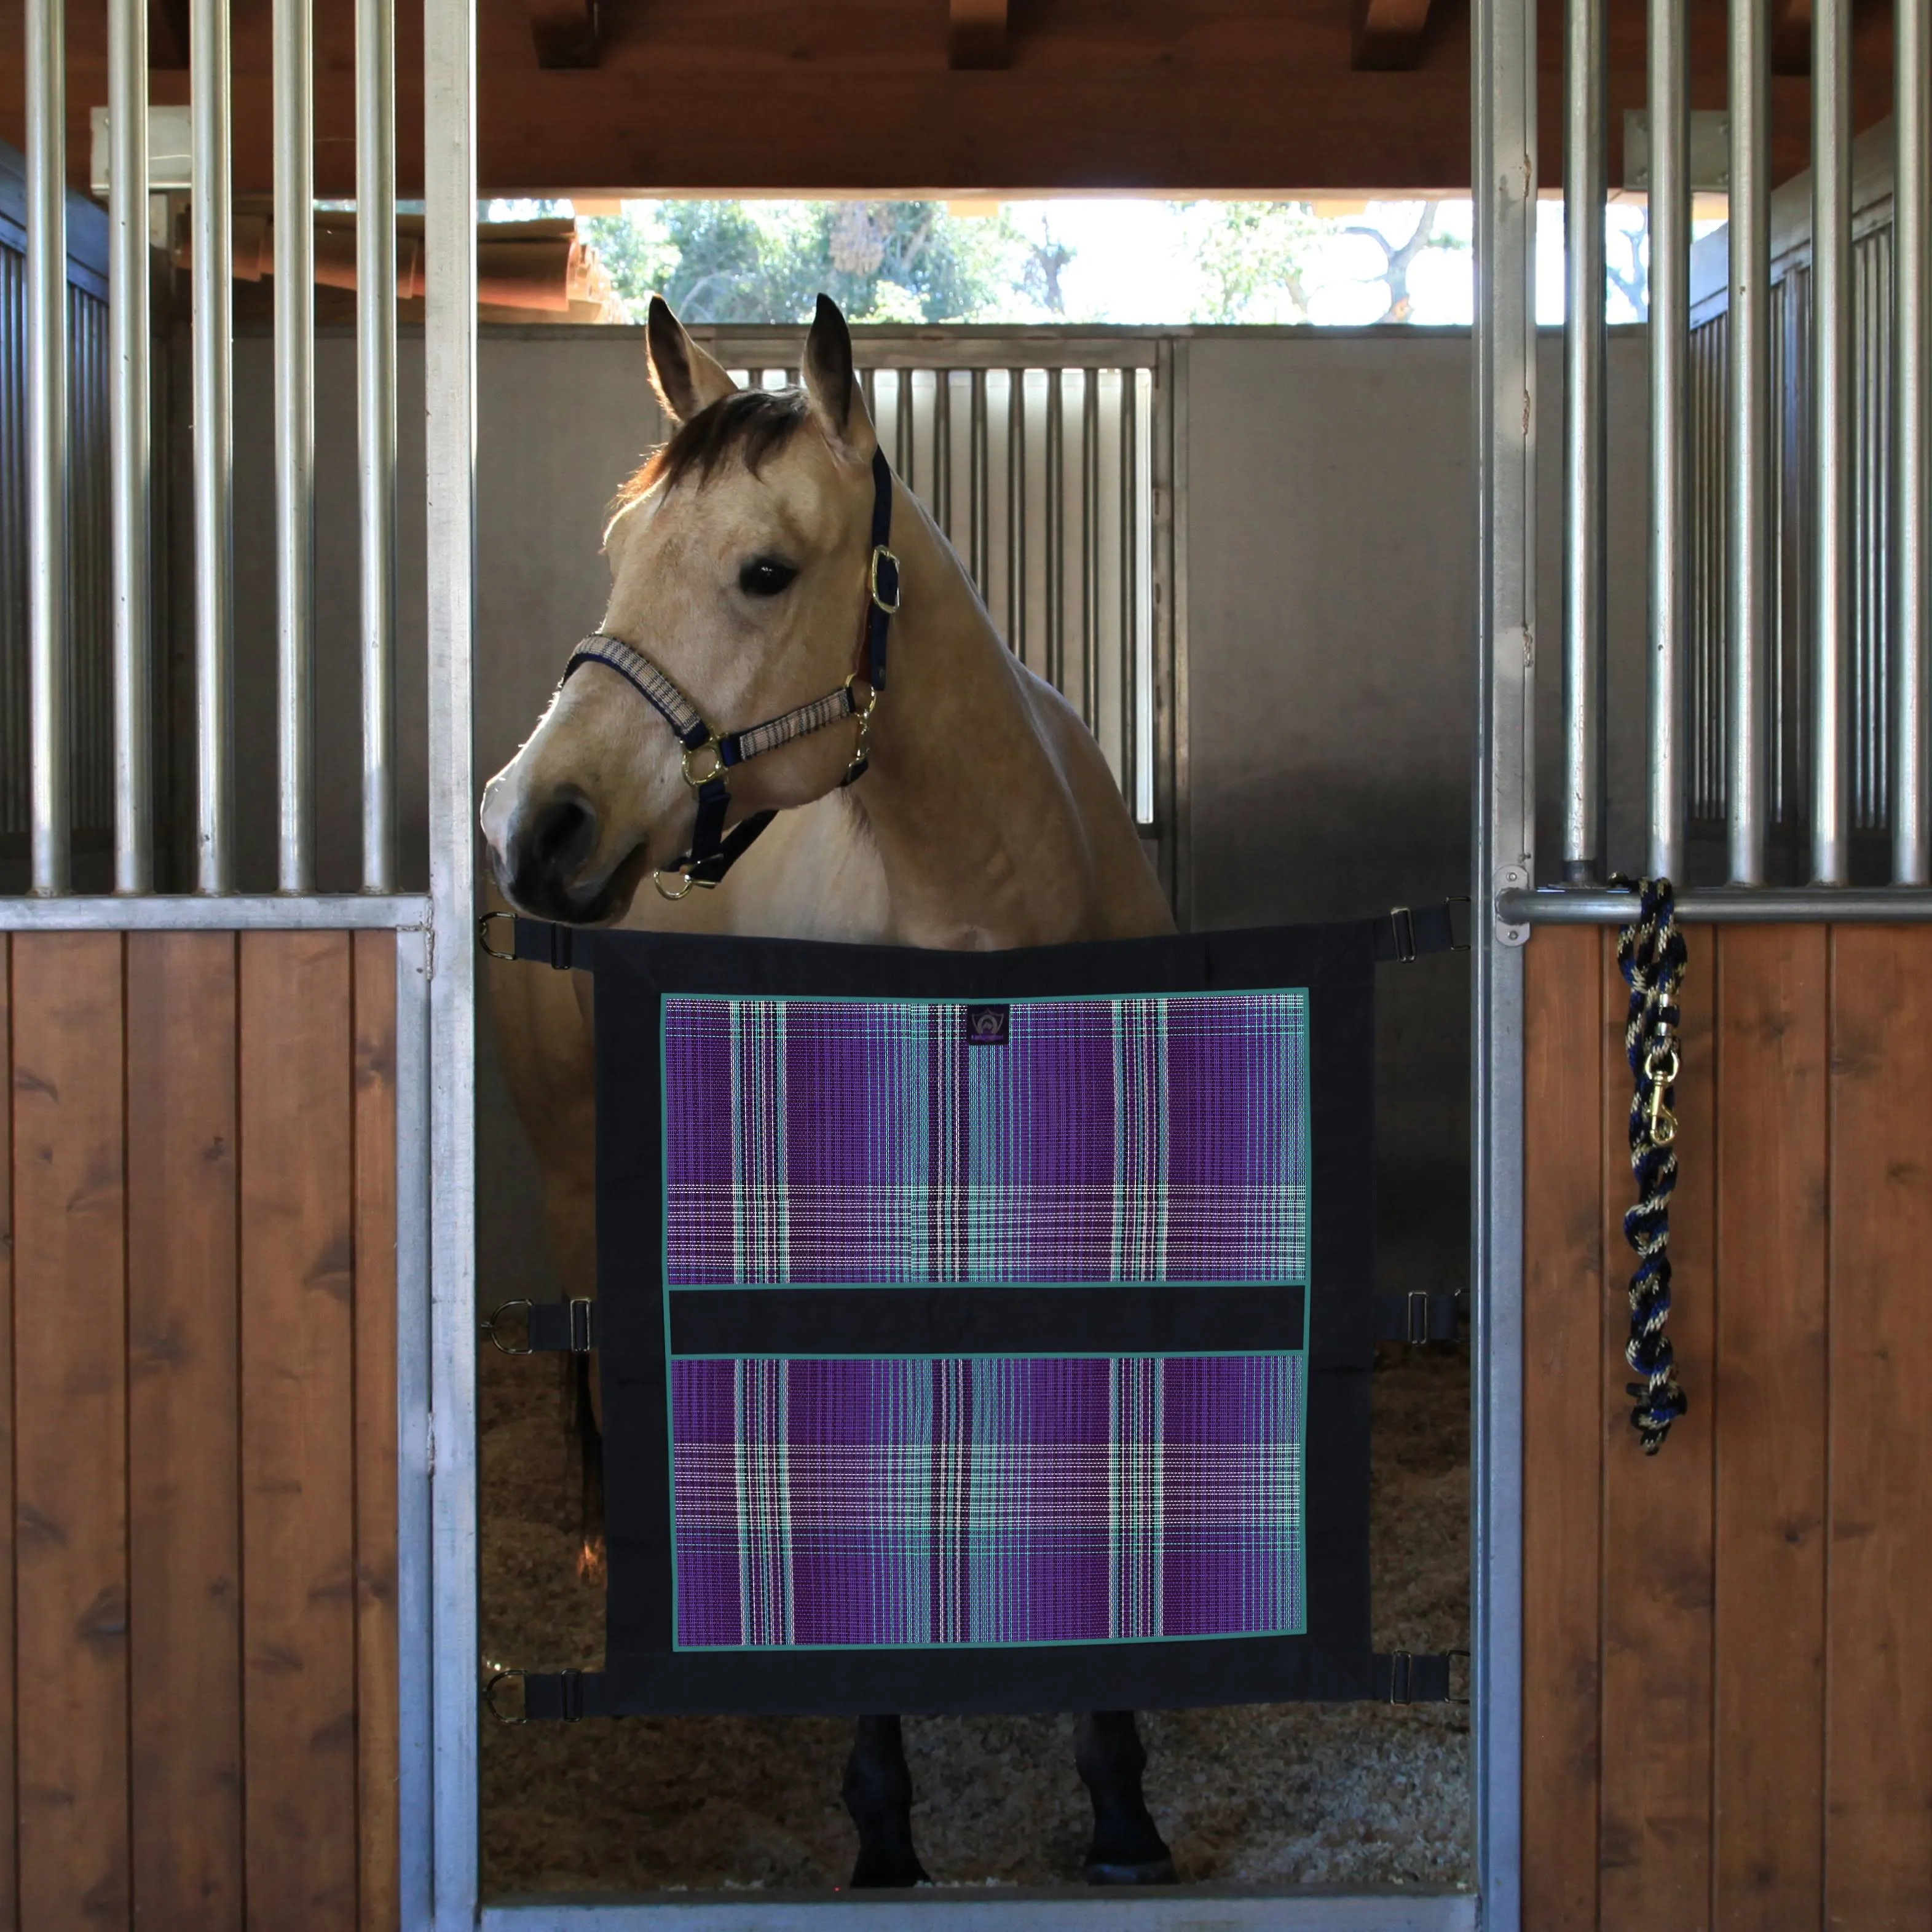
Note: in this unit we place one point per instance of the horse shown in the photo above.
(742, 554)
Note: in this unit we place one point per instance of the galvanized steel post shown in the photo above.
(129, 455)
(1670, 455)
(1912, 399)
(376, 425)
(213, 245)
(49, 668)
(1585, 345)
(1833, 562)
(1748, 431)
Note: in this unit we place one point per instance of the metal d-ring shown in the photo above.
(490, 1328)
(490, 1703)
(483, 934)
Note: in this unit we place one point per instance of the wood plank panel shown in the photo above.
(1767, 1382)
(299, 1553)
(1655, 1826)
(184, 1554)
(70, 1417)
(1563, 1237)
(1878, 1704)
(9, 1918)
(376, 1654)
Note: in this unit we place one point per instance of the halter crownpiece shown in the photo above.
(710, 755)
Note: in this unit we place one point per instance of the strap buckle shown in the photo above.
(1402, 922)
(1402, 1672)
(496, 1315)
(884, 586)
(1418, 1317)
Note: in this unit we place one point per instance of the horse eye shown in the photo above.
(765, 577)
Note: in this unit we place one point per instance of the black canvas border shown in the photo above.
(643, 1673)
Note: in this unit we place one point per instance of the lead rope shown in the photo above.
(1650, 956)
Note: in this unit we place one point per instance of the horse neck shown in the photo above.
(962, 799)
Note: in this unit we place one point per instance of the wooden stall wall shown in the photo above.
(1728, 1714)
(199, 1689)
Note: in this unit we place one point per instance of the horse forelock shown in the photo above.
(751, 425)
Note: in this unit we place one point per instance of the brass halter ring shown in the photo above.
(697, 780)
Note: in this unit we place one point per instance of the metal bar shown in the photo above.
(1911, 402)
(942, 450)
(1585, 346)
(414, 1633)
(194, 912)
(128, 441)
(49, 655)
(1016, 512)
(213, 245)
(889, 348)
(902, 428)
(1090, 548)
(1833, 559)
(1749, 478)
(449, 379)
(1055, 521)
(1502, 151)
(1131, 770)
(1669, 443)
(295, 445)
(1742, 905)
(376, 426)
(978, 482)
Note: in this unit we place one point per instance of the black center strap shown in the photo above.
(710, 756)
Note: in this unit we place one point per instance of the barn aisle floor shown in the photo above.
(1342, 1794)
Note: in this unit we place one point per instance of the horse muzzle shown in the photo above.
(546, 861)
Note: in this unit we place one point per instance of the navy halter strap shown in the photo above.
(710, 755)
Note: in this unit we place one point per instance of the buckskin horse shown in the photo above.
(751, 589)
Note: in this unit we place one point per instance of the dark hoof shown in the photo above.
(881, 1871)
(1151, 1871)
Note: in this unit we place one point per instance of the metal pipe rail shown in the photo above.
(1726, 905)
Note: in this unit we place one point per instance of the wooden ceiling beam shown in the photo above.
(976, 33)
(566, 33)
(1791, 37)
(167, 35)
(1387, 34)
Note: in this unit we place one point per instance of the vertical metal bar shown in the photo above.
(902, 428)
(128, 444)
(449, 378)
(1503, 148)
(1748, 421)
(376, 426)
(1016, 548)
(1832, 338)
(1585, 349)
(977, 482)
(49, 654)
(213, 244)
(1911, 402)
(942, 449)
(1055, 519)
(868, 385)
(1670, 466)
(295, 445)
(1090, 548)
(1131, 772)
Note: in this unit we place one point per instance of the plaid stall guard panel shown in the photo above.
(1135, 1140)
(927, 1501)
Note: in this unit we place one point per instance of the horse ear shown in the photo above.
(837, 401)
(686, 380)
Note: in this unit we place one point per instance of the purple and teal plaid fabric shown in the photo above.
(988, 1500)
(830, 1142)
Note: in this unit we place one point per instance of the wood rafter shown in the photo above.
(167, 35)
(977, 33)
(1791, 37)
(1388, 34)
(566, 33)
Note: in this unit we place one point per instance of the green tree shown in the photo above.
(746, 261)
(1253, 258)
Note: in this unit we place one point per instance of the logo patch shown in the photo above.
(987, 1025)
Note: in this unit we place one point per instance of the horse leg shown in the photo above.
(877, 1791)
(1127, 1849)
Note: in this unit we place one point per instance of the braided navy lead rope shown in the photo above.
(1650, 956)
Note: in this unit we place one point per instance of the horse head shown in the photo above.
(740, 557)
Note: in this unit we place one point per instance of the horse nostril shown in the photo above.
(561, 836)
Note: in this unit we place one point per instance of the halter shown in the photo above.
(710, 755)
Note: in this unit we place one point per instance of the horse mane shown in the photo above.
(753, 424)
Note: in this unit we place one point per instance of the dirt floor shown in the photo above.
(1342, 1794)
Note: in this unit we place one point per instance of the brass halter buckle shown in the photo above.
(880, 553)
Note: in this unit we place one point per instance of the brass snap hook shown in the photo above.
(1660, 1068)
